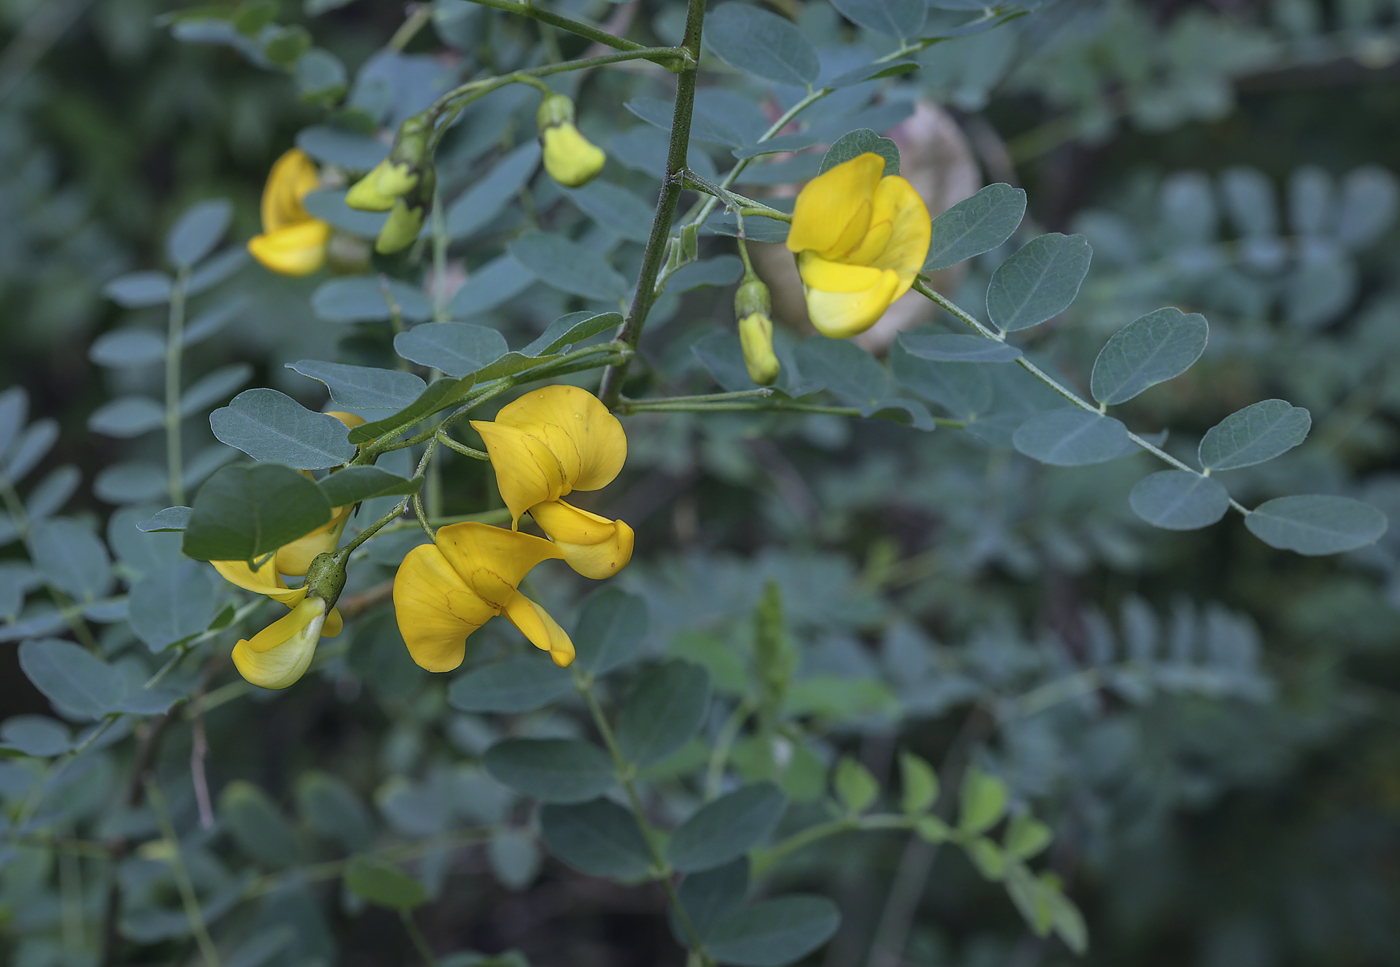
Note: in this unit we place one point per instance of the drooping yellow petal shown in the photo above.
(492, 561)
(840, 315)
(543, 631)
(298, 249)
(436, 609)
(292, 176)
(334, 624)
(592, 545)
(820, 273)
(527, 470)
(280, 654)
(265, 580)
(587, 439)
(833, 210)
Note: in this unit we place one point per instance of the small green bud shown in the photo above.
(325, 578)
(753, 296)
(365, 194)
(554, 109)
(569, 157)
(394, 180)
(400, 230)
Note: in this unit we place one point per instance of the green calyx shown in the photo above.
(325, 579)
(554, 110)
(752, 296)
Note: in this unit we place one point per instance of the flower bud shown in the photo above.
(569, 157)
(378, 190)
(756, 336)
(325, 579)
(406, 217)
(752, 304)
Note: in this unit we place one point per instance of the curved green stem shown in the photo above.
(577, 27)
(763, 860)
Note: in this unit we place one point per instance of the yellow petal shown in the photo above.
(436, 609)
(334, 624)
(492, 561)
(298, 249)
(820, 273)
(527, 470)
(280, 653)
(906, 246)
(587, 439)
(293, 175)
(569, 157)
(592, 545)
(296, 557)
(265, 580)
(840, 315)
(349, 419)
(833, 210)
(543, 631)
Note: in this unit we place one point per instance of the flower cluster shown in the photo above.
(543, 446)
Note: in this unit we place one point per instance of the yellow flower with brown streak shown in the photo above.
(544, 446)
(292, 242)
(860, 241)
(470, 573)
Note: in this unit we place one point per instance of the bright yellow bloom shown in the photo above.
(548, 444)
(860, 240)
(292, 242)
(267, 581)
(446, 590)
(280, 653)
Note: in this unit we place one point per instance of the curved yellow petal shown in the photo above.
(569, 157)
(833, 210)
(334, 624)
(592, 545)
(296, 557)
(298, 249)
(587, 439)
(436, 609)
(906, 246)
(543, 631)
(819, 273)
(280, 653)
(527, 469)
(349, 419)
(292, 176)
(492, 561)
(840, 315)
(265, 580)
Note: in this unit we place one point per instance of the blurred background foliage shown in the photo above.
(1209, 725)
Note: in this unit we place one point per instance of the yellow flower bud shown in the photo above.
(366, 195)
(756, 336)
(400, 230)
(569, 157)
(292, 242)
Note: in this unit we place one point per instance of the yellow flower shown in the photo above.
(292, 242)
(548, 444)
(569, 157)
(446, 590)
(756, 338)
(280, 653)
(860, 240)
(267, 581)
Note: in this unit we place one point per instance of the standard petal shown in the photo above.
(492, 561)
(906, 247)
(833, 211)
(543, 631)
(527, 469)
(588, 440)
(292, 176)
(280, 653)
(298, 249)
(592, 545)
(840, 315)
(265, 580)
(436, 610)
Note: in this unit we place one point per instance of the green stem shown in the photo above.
(654, 256)
(420, 942)
(764, 860)
(682, 404)
(578, 27)
(922, 287)
(410, 27)
(188, 898)
(462, 448)
(625, 777)
(174, 349)
(719, 755)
